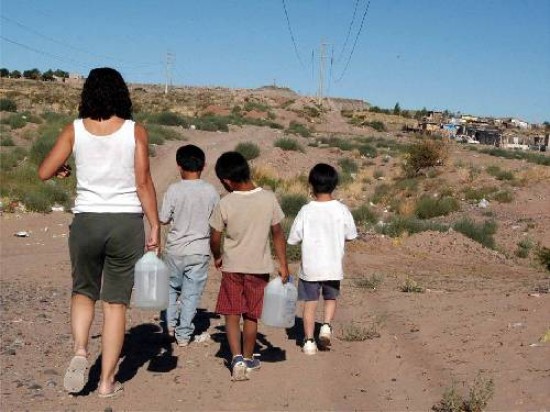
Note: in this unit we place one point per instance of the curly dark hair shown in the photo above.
(105, 94)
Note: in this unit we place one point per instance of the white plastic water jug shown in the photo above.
(279, 307)
(151, 283)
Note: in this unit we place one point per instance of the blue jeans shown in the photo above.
(187, 280)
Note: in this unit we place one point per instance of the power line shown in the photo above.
(355, 42)
(68, 46)
(64, 58)
(292, 34)
(349, 31)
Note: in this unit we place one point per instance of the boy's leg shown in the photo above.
(310, 307)
(194, 278)
(250, 331)
(174, 291)
(330, 310)
(233, 331)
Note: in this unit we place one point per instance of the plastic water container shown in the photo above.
(151, 283)
(279, 307)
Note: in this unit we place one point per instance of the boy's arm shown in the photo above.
(216, 246)
(279, 244)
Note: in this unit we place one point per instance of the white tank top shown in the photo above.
(105, 177)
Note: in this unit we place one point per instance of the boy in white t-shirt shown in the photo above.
(323, 226)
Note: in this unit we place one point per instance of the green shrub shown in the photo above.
(168, 119)
(353, 332)
(293, 252)
(248, 149)
(371, 282)
(428, 207)
(348, 165)
(377, 125)
(299, 129)
(479, 395)
(15, 121)
(479, 232)
(399, 225)
(424, 154)
(503, 196)
(476, 194)
(411, 286)
(364, 215)
(292, 203)
(377, 174)
(158, 134)
(382, 193)
(368, 150)
(10, 159)
(543, 256)
(288, 144)
(537, 158)
(261, 107)
(8, 105)
(524, 247)
(6, 141)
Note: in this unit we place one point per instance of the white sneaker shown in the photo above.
(310, 347)
(325, 335)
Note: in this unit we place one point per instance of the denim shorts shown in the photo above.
(310, 291)
(104, 247)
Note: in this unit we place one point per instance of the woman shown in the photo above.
(114, 189)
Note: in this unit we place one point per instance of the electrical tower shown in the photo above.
(169, 64)
(322, 60)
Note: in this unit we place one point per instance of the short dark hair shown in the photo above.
(190, 158)
(323, 178)
(233, 166)
(105, 94)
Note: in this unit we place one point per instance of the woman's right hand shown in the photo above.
(153, 242)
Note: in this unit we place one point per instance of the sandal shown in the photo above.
(117, 390)
(75, 376)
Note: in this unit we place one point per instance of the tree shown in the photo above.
(16, 74)
(61, 73)
(4, 72)
(33, 74)
(48, 75)
(396, 109)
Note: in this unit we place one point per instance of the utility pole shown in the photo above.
(322, 61)
(169, 62)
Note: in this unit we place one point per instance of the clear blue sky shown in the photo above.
(484, 57)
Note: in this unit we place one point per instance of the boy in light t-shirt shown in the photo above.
(322, 226)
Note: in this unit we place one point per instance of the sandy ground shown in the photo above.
(477, 315)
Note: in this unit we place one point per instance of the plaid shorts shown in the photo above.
(242, 294)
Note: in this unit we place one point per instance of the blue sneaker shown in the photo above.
(239, 371)
(253, 363)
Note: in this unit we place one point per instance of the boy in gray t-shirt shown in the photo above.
(187, 205)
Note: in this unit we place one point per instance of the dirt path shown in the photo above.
(476, 315)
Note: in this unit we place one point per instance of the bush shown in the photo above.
(348, 165)
(8, 105)
(292, 203)
(503, 196)
(399, 225)
(299, 129)
(248, 149)
(168, 119)
(543, 256)
(422, 155)
(10, 159)
(481, 233)
(516, 154)
(364, 215)
(524, 247)
(293, 252)
(289, 144)
(428, 207)
(6, 141)
(377, 125)
(368, 150)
